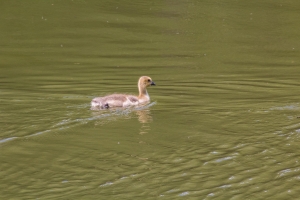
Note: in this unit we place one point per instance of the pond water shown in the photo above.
(223, 122)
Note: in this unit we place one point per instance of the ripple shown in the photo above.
(106, 184)
(288, 107)
(224, 159)
(68, 123)
(184, 194)
(7, 139)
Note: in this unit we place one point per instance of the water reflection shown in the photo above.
(143, 114)
(145, 118)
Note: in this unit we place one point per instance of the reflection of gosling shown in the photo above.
(144, 116)
(123, 100)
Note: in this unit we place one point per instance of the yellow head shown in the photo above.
(145, 81)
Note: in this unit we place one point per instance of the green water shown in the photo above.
(223, 119)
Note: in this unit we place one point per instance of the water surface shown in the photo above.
(223, 122)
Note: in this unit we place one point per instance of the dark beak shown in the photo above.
(152, 83)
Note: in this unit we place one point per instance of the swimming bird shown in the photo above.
(124, 100)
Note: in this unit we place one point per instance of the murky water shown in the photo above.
(223, 119)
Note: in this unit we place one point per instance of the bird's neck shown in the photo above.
(143, 94)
